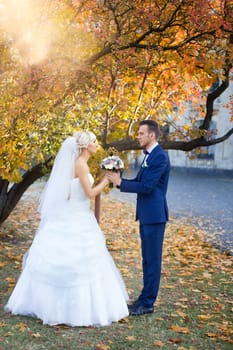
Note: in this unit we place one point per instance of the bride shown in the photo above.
(68, 275)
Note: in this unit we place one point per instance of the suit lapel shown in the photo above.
(152, 155)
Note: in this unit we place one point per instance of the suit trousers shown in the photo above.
(152, 237)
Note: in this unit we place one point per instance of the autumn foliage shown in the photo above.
(194, 308)
(104, 65)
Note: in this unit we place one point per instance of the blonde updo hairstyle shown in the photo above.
(84, 138)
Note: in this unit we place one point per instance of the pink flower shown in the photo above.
(112, 163)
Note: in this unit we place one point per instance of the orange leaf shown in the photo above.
(211, 335)
(175, 340)
(102, 346)
(10, 280)
(179, 329)
(2, 264)
(130, 338)
(21, 326)
(158, 343)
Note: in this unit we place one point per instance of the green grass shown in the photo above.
(193, 311)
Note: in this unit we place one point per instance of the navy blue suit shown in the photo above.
(150, 185)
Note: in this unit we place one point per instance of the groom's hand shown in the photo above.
(115, 178)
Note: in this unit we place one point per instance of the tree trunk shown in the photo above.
(11, 194)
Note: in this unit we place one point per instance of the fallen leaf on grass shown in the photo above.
(130, 338)
(124, 271)
(175, 340)
(181, 313)
(225, 327)
(168, 286)
(102, 346)
(8, 334)
(179, 329)
(36, 335)
(2, 264)
(226, 339)
(183, 300)
(204, 317)
(15, 257)
(159, 343)
(11, 281)
(159, 319)
(212, 335)
(218, 307)
(21, 327)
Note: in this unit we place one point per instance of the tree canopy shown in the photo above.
(105, 65)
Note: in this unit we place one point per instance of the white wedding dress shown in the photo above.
(69, 276)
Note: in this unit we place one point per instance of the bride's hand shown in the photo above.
(114, 177)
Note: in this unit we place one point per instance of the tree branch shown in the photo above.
(131, 144)
(212, 97)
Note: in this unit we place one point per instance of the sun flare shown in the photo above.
(28, 28)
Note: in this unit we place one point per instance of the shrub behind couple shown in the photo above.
(68, 275)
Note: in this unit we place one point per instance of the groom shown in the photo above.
(150, 185)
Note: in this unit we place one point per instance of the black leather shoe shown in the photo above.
(141, 310)
(134, 305)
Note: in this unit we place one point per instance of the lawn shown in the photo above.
(195, 305)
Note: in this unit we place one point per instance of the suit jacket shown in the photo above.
(150, 185)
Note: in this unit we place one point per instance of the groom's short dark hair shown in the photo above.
(152, 126)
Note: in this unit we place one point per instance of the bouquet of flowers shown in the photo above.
(112, 163)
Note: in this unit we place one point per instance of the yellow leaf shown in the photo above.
(36, 335)
(158, 343)
(181, 314)
(184, 299)
(15, 257)
(10, 280)
(124, 271)
(204, 317)
(169, 286)
(102, 346)
(2, 264)
(21, 326)
(130, 338)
